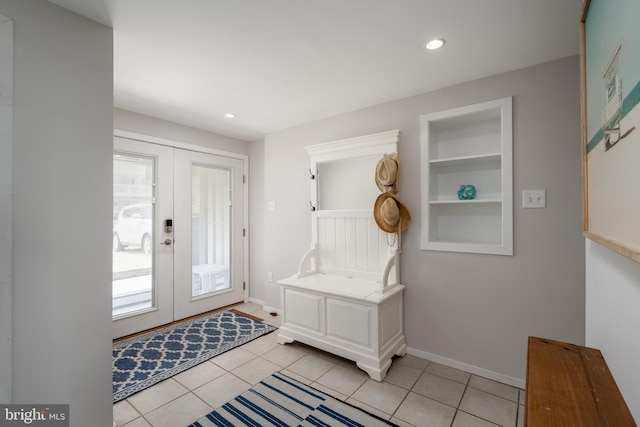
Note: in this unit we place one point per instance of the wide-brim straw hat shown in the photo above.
(390, 213)
(387, 172)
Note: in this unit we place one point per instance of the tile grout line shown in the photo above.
(466, 387)
(409, 389)
(392, 415)
(408, 392)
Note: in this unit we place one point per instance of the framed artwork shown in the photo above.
(610, 94)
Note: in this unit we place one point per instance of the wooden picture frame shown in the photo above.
(610, 94)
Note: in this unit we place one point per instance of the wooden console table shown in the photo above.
(570, 385)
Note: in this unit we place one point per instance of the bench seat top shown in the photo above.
(341, 286)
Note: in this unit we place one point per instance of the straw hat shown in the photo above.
(387, 171)
(390, 213)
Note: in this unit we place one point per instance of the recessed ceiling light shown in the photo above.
(229, 115)
(435, 44)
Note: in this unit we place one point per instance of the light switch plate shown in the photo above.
(534, 199)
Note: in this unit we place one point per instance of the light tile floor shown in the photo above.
(415, 392)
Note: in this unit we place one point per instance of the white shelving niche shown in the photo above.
(470, 145)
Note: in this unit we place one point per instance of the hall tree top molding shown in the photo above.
(343, 172)
(470, 145)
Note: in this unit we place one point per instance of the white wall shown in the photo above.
(613, 316)
(63, 96)
(472, 311)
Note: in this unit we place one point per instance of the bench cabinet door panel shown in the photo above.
(350, 322)
(304, 310)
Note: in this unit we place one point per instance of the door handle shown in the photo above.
(167, 242)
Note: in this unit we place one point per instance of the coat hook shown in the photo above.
(312, 175)
(313, 208)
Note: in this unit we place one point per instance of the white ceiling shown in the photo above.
(280, 63)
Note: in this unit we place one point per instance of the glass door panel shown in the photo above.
(133, 224)
(209, 223)
(210, 229)
(142, 285)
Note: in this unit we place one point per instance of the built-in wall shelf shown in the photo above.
(470, 145)
(463, 202)
(466, 159)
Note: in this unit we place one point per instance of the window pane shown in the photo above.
(211, 229)
(133, 220)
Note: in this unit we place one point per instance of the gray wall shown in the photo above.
(256, 222)
(467, 310)
(6, 208)
(151, 126)
(63, 96)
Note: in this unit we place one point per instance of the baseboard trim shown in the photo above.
(272, 310)
(256, 301)
(505, 379)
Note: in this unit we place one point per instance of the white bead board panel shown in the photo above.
(351, 242)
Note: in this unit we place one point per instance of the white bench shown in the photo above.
(355, 314)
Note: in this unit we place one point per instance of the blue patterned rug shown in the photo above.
(145, 360)
(282, 401)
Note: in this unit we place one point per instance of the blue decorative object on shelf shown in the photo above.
(467, 192)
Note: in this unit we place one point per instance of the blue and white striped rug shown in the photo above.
(282, 401)
(145, 360)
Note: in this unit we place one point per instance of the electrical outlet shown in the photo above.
(534, 199)
(269, 277)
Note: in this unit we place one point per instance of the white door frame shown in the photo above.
(199, 148)
(6, 209)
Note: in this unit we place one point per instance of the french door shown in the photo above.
(178, 234)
